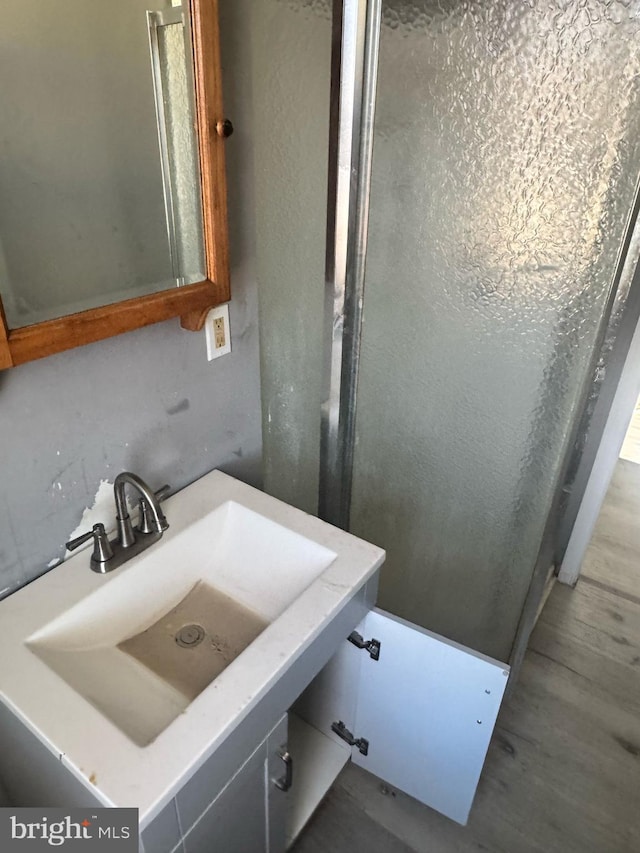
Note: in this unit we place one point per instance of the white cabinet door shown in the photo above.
(427, 708)
(236, 821)
(249, 814)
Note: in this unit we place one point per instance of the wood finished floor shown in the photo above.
(563, 769)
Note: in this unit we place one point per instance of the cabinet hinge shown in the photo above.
(371, 646)
(343, 732)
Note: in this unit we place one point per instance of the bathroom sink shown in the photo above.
(133, 678)
(145, 645)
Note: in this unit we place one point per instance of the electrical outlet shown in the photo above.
(217, 332)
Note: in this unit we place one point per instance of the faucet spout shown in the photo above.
(108, 554)
(126, 534)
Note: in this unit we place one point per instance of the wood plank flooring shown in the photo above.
(563, 769)
(613, 556)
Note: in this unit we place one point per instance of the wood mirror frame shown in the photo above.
(191, 302)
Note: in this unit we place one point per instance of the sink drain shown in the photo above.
(190, 635)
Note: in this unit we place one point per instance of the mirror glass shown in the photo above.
(99, 177)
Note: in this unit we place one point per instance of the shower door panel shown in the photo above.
(506, 155)
(291, 74)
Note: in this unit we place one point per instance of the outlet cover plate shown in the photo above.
(218, 334)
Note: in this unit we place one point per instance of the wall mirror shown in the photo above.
(112, 183)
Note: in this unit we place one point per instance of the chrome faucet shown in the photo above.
(108, 554)
(148, 502)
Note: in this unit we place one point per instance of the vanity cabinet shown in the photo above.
(418, 708)
(330, 679)
(411, 707)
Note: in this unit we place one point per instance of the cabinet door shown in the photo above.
(249, 814)
(236, 821)
(427, 708)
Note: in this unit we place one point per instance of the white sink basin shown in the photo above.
(92, 665)
(142, 679)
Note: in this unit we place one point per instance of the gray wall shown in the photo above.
(147, 401)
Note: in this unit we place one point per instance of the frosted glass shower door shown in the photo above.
(506, 155)
(291, 79)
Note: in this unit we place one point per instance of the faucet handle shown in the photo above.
(163, 492)
(102, 550)
(146, 523)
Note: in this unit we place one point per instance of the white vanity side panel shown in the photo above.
(427, 708)
(33, 775)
